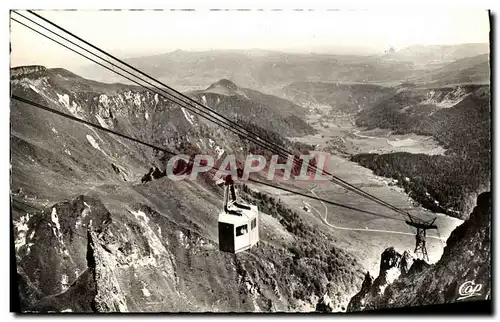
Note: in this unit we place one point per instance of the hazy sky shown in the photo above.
(136, 33)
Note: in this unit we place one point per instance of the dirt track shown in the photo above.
(325, 219)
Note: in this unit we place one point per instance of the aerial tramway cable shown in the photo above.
(177, 259)
(99, 127)
(73, 118)
(260, 141)
(333, 179)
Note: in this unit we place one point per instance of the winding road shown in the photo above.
(325, 220)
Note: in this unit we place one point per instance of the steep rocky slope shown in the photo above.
(78, 256)
(92, 235)
(466, 258)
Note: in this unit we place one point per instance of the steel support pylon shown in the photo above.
(420, 248)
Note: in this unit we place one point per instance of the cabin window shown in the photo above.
(254, 223)
(241, 230)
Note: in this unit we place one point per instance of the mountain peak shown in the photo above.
(225, 83)
(177, 52)
(224, 86)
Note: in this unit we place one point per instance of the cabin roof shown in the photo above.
(247, 215)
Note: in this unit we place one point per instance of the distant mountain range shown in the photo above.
(438, 54)
(270, 70)
(469, 70)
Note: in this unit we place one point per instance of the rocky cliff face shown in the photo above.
(465, 262)
(77, 256)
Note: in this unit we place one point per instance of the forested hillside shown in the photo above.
(459, 119)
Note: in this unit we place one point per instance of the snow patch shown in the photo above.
(128, 95)
(152, 238)
(146, 116)
(406, 108)
(34, 88)
(56, 229)
(219, 151)
(140, 215)
(73, 108)
(183, 240)
(145, 291)
(391, 275)
(188, 116)
(103, 99)
(28, 249)
(137, 99)
(122, 307)
(63, 99)
(204, 99)
(101, 121)
(93, 142)
(67, 152)
(64, 282)
(66, 311)
(448, 100)
(22, 228)
(54, 218)
(54, 130)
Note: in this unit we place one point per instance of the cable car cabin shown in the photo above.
(238, 223)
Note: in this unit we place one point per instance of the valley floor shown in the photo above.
(339, 132)
(366, 235)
